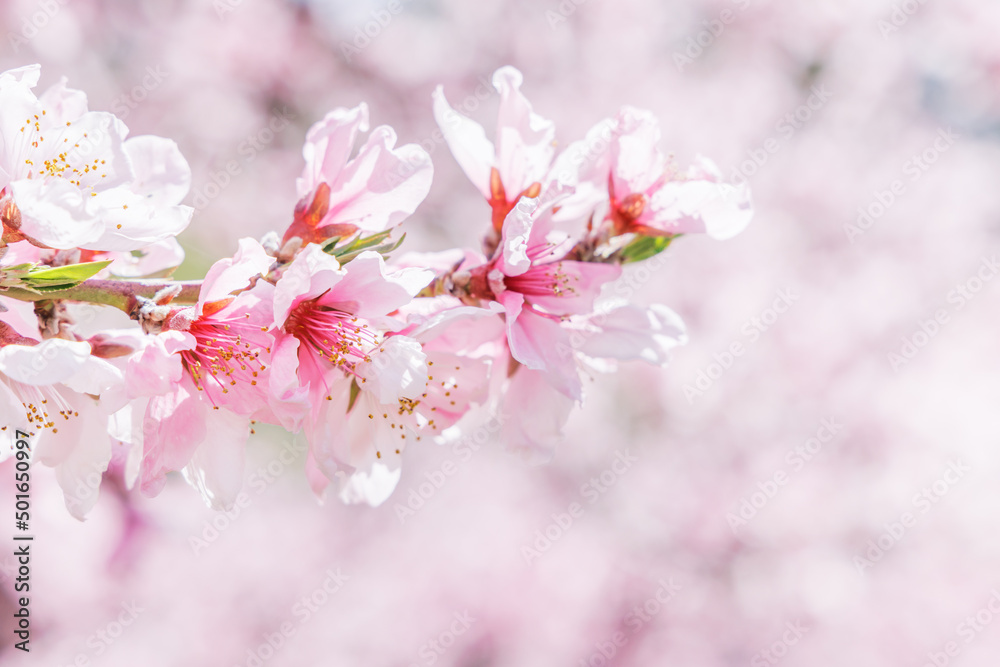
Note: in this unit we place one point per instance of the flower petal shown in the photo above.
(534, 416)
(216, 468)
(231, 274)
(372, 487)
(174, 426)
(632, 332)
(328, 146)
(380, 187)
(370, 291)
(525, 142)
(467, 141)
(541, 344)
(51, 361)
(398, 369)
(54, 213)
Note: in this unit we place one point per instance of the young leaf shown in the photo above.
(645, 247)
(71, 274)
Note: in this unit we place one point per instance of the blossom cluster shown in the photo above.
(317, 330)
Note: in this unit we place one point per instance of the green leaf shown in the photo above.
(383, 250)
(645, 247)
(72, 274)
(330, 244)
(358, 245)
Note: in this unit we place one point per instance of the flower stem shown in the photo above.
(121, 294)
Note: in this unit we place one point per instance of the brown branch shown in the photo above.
(118, 293)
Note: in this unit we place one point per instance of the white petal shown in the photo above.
(720, 210)
(13, 415)
(94, 377)
(27, 76)
(64, 103)
(51, 361)
(372, 487)
(639, 161)
(155, 258)
(398, 369)
(517, 229)
(53, 212)
(133, 221)
(89, 452)
(162, 175)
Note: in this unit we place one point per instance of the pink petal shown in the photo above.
(174, 426)
(541, 344)
(534, 415)
(525, 142)
(581, 284)
(216, 468)
(228, 275)
(467, 141)
(20, 315)
(382, 186)
(632, 332)
(289, 392)
(328, 146)
(312, 273)
(156, 368)
(369, 291)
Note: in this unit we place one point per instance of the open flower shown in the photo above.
(639, 191)
(49, 391)
(373, 191)
(206, 376)
(333, 351)
(518, 163)
(538, 287)
(69, 178)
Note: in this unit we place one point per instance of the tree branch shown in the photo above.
(118, 293)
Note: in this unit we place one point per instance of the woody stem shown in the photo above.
(122, 294)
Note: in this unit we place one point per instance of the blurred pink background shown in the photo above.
(828, 496)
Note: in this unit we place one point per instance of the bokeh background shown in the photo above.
(731, 538)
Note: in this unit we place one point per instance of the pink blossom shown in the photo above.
(639, 191)
(518, 162)
(333, 350)
(206, 377)
(373, 191)
(538, 287)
